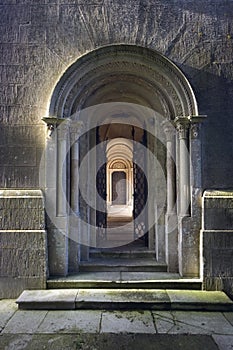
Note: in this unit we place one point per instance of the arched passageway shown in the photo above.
(130, 93)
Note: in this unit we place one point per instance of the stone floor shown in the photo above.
(115, 330)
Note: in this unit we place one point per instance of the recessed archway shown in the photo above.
(116, 76)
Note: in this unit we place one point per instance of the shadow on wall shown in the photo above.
(215, 99)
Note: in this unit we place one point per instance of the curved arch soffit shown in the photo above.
(124, 73)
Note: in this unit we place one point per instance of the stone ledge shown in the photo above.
(48, 299)
(153, 299)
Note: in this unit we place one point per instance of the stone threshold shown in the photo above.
(125, 280)
(122, 264)
(124, 299)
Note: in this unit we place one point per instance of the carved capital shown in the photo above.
(52, 123)
(182, 126)
(196, 121)
(195, 130)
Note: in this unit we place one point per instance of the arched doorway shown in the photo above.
(154, 106)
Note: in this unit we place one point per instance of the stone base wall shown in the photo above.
(217, 239)
(23, 242)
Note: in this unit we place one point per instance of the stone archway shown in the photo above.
(119, 171)
(129, 74)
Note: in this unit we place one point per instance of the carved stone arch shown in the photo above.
(94, 69)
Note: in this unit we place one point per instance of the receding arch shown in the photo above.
(136, 77)
(124, 73)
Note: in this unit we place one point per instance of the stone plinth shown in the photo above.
(23, 242)
(217, 238)
(218, 210)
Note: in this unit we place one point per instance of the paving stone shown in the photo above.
(164, 321)
(71, 322)
(229, 316)
(106, 341)
(25, 322)
(7, 309)
(127, 322)
(48, 299)
(224, 342)
(201, 323)
(16, 341)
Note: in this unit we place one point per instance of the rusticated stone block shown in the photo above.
(23, 241)
(23, 258)
(22, 210)
(18, 156)
(217, 258)
(12, 287)
(218, 210)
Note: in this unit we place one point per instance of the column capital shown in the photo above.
(182, 125)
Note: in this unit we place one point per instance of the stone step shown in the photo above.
(127, 299)
(120, 264)
(125, 280)
(121, 254)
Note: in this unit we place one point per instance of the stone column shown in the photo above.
(62, 133)
(183, 125)
(195, 150)
(171, 177)
(75, 131)
(74, 229)
(190, 194)
(171, 237)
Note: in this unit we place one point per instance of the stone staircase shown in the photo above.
(124, 280)
(112, 260)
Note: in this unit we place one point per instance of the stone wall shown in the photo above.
(217, 238)
(23, 245)
(40, 40)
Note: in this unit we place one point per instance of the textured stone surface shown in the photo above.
(54, 299)
(108, 341)
(25, 322)
(224, 342)
(218, 240)
(123, 299)
(114, 330)
(40, 40)
(211, 323)
(127, 322)
(22, 210)
(23, 242)
(7, 310)
(12, 287)
(218, 210)
(71, 322)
